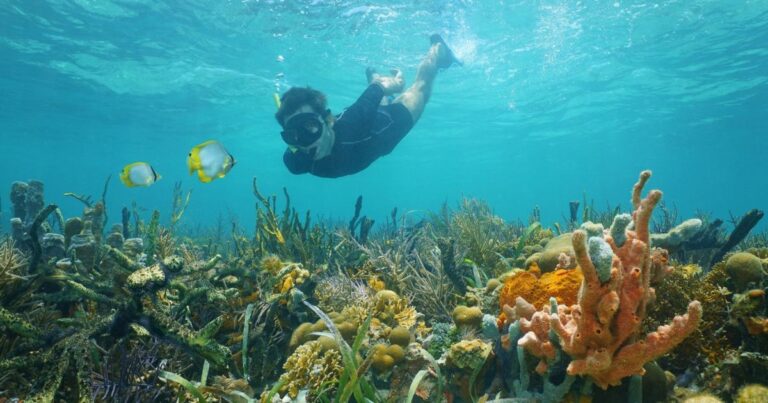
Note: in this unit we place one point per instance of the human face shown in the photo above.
(303, 128)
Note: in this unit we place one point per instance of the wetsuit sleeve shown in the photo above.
(363, 111)
(297, 162)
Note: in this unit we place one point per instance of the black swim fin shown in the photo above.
(450, 58)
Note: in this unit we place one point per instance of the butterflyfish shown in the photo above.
(138, 174)
(210, 160)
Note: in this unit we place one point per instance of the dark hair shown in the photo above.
(294, 98)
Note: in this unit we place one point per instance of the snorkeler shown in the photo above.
(333, 146)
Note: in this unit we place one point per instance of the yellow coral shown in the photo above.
(703, 398)
(690, 270)
(390, 309)
(286, 285)
(422, 331)
(406, 317)
(356, 314)
(400, 336)
(375, 283)
(292, 275)
(744, 269)
(467, 316)
(492, 285)
(385, 357)
(271, 264)
(311, 368)
(469, 354)
(753, 393)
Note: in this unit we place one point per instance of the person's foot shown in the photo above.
(370, 74)
(445, 56)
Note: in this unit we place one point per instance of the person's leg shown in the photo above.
(370, 75)
(417, 95)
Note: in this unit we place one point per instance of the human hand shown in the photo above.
(390, 84)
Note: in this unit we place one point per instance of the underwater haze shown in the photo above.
(556, 100)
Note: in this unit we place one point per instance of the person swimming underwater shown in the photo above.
(334, 146)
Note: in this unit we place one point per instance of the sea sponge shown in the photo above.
(563, 284)
(292, 275)
(467, 316)
(744, 268)
(754, 393)
(400, 336)
(678, 235)
(72, 227)
(147, 277)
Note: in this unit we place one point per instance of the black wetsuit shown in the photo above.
(364, 132)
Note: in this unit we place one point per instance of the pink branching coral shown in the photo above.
(601, 332)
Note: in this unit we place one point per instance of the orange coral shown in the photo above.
(563, 284)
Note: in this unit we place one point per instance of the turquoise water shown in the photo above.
(555, 99)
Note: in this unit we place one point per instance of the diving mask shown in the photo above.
(304, 127)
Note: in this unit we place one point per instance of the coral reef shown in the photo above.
(310, 367)
(467, 317)
(744, 269)
(550, 258)
(462, 306)
(597, 332)
(385, 357)
(753, 393)
(562, 284)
